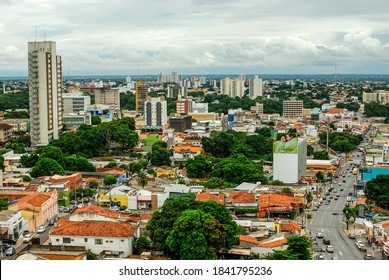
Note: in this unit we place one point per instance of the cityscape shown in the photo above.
(192, 167)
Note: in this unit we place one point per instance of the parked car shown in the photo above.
(41, 229)
(334, 258)
(56, 219)
(10, 251)
(5, 239)
(330, 249)
(27, 238)
(360, 246)
(66, 210)
(51, 222)
(368, 256)
(351, 236)
(320, 257)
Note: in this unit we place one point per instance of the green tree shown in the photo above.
(17, 115)
(319, 176)
(141, 245)
(298, 249)
(215, 183)
(93, 185)
(1, 162)
(47, 167)
(51, 152)
(321, 155)
(286, 191)
(110, 180)
(277, 183)
(29, 160)
(26, 178)
(198, 167)
(377, 190)
(111, 164)
(107, 131)
(309, 150)
(196, 236)
(281, 255)
(90, 255)
(4, 203)
(160, 155)
(95, 120)
(142, 179)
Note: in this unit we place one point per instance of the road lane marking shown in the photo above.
(340, 253)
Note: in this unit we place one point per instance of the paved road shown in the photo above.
(332, 226)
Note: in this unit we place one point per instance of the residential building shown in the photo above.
(183, 106)
(199, 107)
(94, 213)
(75, 180)
(257, 109)
(75, 102)
(45, 92)
(273, 205)
(50, 252)
(18, 125)
(232, 87)
(36, 208)
(383, 97)
(141, 89)
(110, 97)
(12, 223)
(214, 196)
(255, 87)
(180, 123)
(369, 97)
(97, 236)
(6, 133)
(155, 111)
(292, 109)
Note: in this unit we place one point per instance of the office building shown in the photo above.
(141, 89)
(110, 97)
(289, 160)
(74, 102)
(74, 120)
(180, 123)
(369, 97)
(292, 109)
(255, 87)
(45, 92)
(155, 111)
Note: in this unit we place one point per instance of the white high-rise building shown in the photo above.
(75, 102)
(45, 92)
(155, 111)
(232, 88)
(255, 87)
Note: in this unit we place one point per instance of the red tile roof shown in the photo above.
(36, 199)
(90, 179)
(273, 243)
(205, 196)
(278, 200)
(146, 216)
(248, 239)
(292, 226)
(242, 197)
(97, 210)
(94, 228)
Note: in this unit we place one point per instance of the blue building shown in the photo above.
(369, 173)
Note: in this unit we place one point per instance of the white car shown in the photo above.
(319, 235)
(27, 238)
(41, 229)
(330, 249)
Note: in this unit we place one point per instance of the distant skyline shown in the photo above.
(122, 37)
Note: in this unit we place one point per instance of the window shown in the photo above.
(98, 241)
(85, 239)
(66, 240)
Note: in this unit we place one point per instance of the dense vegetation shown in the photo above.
(341, 141)
(377, 190)
(12, 101)
(189, 229)
(375, 109)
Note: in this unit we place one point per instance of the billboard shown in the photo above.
(285, 143)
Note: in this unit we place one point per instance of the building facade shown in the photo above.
(292, 109)
(232, 87)
(110, 97)
(141, 89)
(75, 102)
(45, 92)
(255, 87)
(155, 111)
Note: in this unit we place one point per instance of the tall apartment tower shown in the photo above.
(45, 92)
(141, 89)
(110, 97)
(232, 87)
(255, 87)
(292, 109)
(155, 111)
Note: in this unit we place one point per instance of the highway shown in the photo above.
(332, 225)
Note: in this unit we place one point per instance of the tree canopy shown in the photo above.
(47, 167)
(298, 249)
(377, 190)
(199, 167)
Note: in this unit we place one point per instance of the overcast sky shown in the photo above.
(200, 36)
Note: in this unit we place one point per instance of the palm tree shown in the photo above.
(142, 179)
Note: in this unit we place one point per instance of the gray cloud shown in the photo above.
(119, 36)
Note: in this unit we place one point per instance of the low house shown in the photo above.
(37, 208)
(54, 253)
(278, 205)
(12, 223)
(242, 203)
(75, 180)
(94, 213)
(101, 237)
(206, 196)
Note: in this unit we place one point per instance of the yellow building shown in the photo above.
(203, 117)
(166, 172)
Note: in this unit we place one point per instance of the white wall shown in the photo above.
(86, 216)
(285, 167)
(109, 243)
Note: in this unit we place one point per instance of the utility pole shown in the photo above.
(327, 138)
